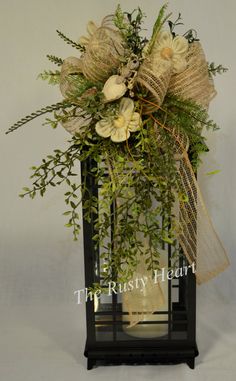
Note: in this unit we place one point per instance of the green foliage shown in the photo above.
(191, 36)
(174, 24)
(140, 173)
(63, 116)
(36, 114)
(214, 70)
(54, 170)
(213, 172)
(130, 26)
(53, 77)
(52, 122)
(161, 19)
(79, 85)
(57, 61)
(70, 42)
(189, 118)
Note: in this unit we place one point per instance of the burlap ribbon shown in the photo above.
(102, 56)
(197, 236)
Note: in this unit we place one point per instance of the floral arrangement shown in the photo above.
(138, 109)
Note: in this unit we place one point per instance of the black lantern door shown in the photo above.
(108, 339)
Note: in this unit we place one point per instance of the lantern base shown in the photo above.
(140, 356)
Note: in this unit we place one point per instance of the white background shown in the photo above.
(42, 328)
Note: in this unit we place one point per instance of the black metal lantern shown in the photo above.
(107, 340)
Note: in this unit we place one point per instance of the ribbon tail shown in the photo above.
(198, 238)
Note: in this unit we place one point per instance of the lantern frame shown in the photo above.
(106, 341)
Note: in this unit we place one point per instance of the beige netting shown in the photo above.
(103, 53)
(197, 236)
(198, 239)
(194, 82)
(71, 65)
(155, 81)
(102, 56)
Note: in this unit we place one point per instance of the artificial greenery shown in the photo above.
(161, 19)
(130, 25)
(53, 77)
(140, 165)
(70, 42)
(36, 114)
(56, 60)
(214, 70)
(174, 24)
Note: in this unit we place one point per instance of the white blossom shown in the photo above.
(119, 127)
(170, 52)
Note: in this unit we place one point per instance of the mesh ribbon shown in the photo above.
(155, 82)
(102, 54)
(71, 65)
(194, 82)
(197, 237)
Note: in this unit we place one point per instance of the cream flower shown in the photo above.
(171, 52)
(114, 88)
(91, 29)
(119, 127)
